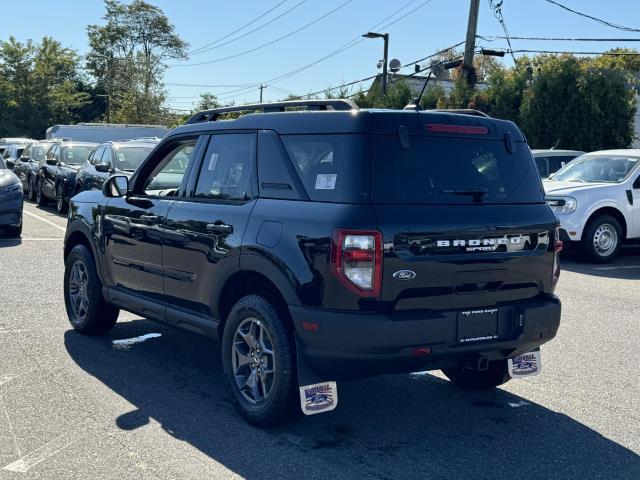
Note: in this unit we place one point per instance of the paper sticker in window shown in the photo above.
(326, 181)
(213, 161)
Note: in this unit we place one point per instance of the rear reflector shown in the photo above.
(310, 326)
(442, 128)
(420, 351)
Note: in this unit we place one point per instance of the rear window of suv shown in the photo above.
(449, 170)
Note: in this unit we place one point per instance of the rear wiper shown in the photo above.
(476, 193)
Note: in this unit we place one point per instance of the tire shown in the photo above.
(32, 189)
(90, 315)
(497, 374)
(602, 239)
(279, 404)
(41, 200)
(61, 204)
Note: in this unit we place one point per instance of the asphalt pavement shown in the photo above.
(75, 407)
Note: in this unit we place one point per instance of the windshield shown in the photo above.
(597, 168)
(2, 167)
(38, 152)
(447, 170)
(130, 158)
(76, 155)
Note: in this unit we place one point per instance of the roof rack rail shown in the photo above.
(332, 104)
(461, 111)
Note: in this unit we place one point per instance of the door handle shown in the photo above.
(219, 228)
(150, 218)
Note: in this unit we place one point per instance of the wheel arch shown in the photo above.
(613, 212)
(78, 233)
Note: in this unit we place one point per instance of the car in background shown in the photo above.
(12, 153)
(11, 202)
(121, 158)
(57, 174)
(550, 161)
(5, 142)
(596, 198)
(27, 167)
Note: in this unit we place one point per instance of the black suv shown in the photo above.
(110, 158)
(56, 177)
(27, 167)
(326, 245)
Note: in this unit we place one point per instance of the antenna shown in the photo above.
(416, 103)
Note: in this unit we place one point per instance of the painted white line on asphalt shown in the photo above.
(127, 342)
(44, 220)
(619, 267)
(7, 378)
(521, 403)
(39, 455)
(13, 435)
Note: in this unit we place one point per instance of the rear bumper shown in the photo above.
(354, 345)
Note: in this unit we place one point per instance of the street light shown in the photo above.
(385, 37)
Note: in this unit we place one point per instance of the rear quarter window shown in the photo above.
(332, 168)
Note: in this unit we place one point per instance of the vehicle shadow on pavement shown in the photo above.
(6, 241)
(402, 426)
(625, 267)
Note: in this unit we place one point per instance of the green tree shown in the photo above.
(128, 57)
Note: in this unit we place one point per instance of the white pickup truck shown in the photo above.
(596, 197)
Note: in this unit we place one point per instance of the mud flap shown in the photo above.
(317, 395)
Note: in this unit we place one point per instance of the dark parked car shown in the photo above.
(10, 202)
(121, 158)
(57, 174)
(5, 142)
(12, 153)
(27, 167)
(326, 245)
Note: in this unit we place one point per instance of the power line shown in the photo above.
(195, 50)
(497, 12)
(322, 17)
(559, 52)
(595, 19)
(492, 38)
(254, 30)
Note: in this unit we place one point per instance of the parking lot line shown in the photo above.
(45, 220)
(39, 455)
(618, 267)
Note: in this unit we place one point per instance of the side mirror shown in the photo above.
(103, 168)
(52, 161)
(24, 159)
(116, 186)
(10, 163)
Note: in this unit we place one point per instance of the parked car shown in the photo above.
(57, 174)
(12, 153)
(27, 167)
(326, 245)
(597, 200)
(10, 202)
(550, 161)
(110, 158)
(5, 142)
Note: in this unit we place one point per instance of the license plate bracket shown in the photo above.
(478, 325)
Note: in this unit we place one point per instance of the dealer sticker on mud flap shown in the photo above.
(318, 398)
(525, 365)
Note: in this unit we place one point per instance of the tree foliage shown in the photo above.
(128, 57)
(40, 85)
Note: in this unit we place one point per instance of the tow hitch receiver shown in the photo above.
(525, 365)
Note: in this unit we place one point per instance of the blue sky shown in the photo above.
(435, 24)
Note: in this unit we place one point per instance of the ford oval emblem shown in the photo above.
(404, 275)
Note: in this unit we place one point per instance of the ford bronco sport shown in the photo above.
(327, 243)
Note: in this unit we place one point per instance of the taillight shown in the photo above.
(557, 248)
(356, 260)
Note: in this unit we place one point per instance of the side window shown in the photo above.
(53, 152)
(275, 171)
(96, 156)
(106, 156)
(165, 179)
(226, 169)
(636, 183)
(541, 163)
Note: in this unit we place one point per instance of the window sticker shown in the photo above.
(326, 181)
(213, 162)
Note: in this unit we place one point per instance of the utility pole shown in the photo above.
(468, 71)
(262, 87)
(385, 63)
